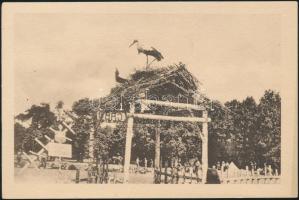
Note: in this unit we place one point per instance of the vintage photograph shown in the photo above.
(146, 96)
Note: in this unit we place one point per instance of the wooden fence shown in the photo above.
(252, 180)
(172, 175)
(253, 176)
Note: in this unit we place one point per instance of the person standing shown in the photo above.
(218, 166)
(152, 163)
(197, 164)
(191, 172)
(89, 173)
(43, 162)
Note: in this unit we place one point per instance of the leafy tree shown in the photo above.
(268, 139)
(110, 142)
(80, 146)
(59, 105)
(221, 135)
(143, 142)
(19, 133)
(84, 125)
(41, 116)
(240, 131)
(41, 119)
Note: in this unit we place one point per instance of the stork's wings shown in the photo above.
(159, 55)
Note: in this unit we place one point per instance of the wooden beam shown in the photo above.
(28, 163)
(39, 155)
(47, 137)
(204, 157)
(40, 143)
(69, 128)
(172, 104)
(170, 118)
(157, 146)
(31, 160)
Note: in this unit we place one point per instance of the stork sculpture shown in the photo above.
(118, 78)
(148, 52)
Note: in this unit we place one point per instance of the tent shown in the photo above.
(233, 170)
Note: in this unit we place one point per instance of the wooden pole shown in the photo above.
(40, 143)
(28, 163)
(204, 147)
(77, 176)
(170, 118)
(69, 128)
(157, 146)
(129, 136)
(31, 160)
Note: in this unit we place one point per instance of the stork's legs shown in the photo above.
(148, 64)
(152, 62)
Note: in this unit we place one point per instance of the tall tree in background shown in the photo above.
(83, 126)
(19, 135)
(41, 119)
(221, 135)
(248, 124)
(245, 132)
(268, 139)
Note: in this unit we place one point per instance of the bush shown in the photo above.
(72, 167)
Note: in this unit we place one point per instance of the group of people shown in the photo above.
(177, 171)
(96, 173)
(223, 166)
(189, 168)
(146, 164)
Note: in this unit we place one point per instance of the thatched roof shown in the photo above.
(159, 83)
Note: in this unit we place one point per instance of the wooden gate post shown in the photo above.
(77, 179)
(157, 146)
(129, 137)
(204, 158)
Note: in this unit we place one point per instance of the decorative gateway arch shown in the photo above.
(203, 135)
(148, 94)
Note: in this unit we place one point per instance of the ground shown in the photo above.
(49, 176)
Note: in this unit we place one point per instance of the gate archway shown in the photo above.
(144, 102)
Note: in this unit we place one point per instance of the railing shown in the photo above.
(252, 180)
(182, 176)
(174, 176)
(246, 176)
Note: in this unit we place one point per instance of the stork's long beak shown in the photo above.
(132, 44)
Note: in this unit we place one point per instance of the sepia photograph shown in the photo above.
(118, 98)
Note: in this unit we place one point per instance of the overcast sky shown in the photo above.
(71, 56)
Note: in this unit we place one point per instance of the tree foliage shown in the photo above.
(240, 131)
(41, 119)
(245, 132)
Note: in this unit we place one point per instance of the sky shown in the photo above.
(64, 56)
